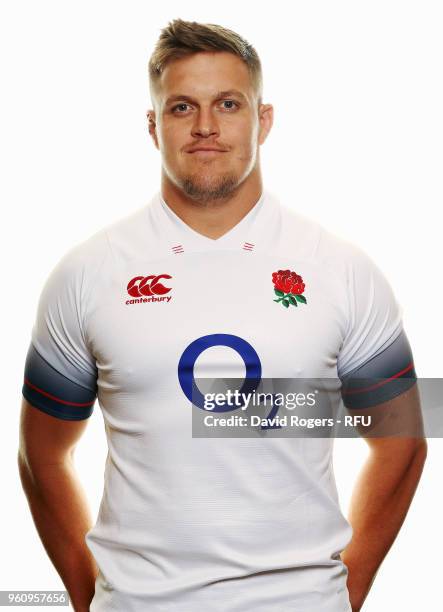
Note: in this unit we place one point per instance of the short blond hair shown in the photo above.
(182, 38)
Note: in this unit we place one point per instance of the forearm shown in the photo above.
(379, 504)
(62, 519)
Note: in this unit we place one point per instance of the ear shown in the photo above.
(266, 119)
(152, 126)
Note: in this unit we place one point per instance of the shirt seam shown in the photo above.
(86, 293)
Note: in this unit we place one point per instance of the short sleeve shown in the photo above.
(375, 362)
(60, 376)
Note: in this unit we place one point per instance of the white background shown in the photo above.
(357, 145)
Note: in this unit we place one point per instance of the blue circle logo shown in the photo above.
(196, 348)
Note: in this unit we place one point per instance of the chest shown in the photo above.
(146, 314)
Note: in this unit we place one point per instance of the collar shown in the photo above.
(251, 234)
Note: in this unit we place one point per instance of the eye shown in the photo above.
(230, 102)
(179, 106)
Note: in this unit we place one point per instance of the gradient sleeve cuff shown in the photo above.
(52, 392)
(389, 373)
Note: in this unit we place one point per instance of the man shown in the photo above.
(213, 276)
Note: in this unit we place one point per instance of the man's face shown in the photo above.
(207, 124)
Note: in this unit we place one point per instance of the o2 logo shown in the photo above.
(242, 347)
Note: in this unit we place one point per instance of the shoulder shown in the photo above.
(85, 259)
(311, 240)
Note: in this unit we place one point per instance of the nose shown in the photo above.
(205, 124)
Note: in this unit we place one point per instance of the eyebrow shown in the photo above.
(221, 94)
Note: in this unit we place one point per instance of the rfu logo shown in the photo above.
(142, 286)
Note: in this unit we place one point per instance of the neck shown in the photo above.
(213, 218)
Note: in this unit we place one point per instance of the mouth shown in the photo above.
(205, 147)
(207, 152)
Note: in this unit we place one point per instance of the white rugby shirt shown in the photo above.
(211, 524)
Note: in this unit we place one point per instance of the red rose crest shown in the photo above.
(288, 287)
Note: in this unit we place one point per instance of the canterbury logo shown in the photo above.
(147, 288)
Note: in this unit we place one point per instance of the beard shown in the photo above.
(205, 189)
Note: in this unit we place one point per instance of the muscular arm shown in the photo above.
(56, 499)
(382, 496)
